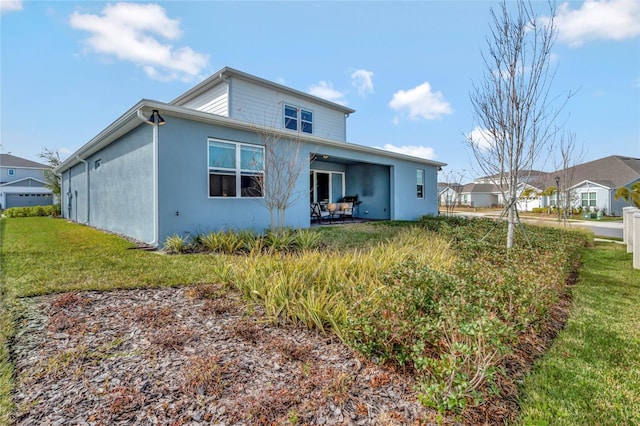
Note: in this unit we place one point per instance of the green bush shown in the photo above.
(33, 211)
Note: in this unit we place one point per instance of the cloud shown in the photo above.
(326, 91)
(130, 32)
(481, 138)
(595, 20)
(10, 6)
(362, 80)
(421, 102)
(413, 150)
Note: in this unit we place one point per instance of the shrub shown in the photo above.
(279, 240)
(33, 211)
(306, 239)
(176, 244)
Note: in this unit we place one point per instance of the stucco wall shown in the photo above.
(120, 196)
(185, 206)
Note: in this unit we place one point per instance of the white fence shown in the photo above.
(631, 233)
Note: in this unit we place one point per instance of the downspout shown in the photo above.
(86, 169)
(153, 242)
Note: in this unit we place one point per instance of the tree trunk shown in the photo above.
(510, 225)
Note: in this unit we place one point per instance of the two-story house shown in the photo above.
(201, 164)
(22, 183)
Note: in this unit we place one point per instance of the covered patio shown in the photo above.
(342, 189)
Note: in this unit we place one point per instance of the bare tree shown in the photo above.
(453, 180)
(512, 103)
(284, 162)
(52, 180)
(568, 156)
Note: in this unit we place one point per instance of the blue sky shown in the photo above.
(69, 69)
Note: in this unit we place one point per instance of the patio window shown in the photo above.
(420, 181)
(235, 169)
(589, 199)
(298, 119)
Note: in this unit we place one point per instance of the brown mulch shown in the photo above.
(199, 355)
(191, 356)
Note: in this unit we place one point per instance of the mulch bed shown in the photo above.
(191, 356)
(200, 355)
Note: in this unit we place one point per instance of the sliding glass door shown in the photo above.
(326, 187)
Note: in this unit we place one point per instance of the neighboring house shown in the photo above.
(480, 195)
(22, 183)
(198, 172)
(529, 196)
(590, 185)
(593, 185)
(484, 191)
(449, 194)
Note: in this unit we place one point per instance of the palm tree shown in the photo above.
(630, 195)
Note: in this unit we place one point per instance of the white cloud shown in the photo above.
(594, 20)
(421, 102)
(481, 138)
(130, 31)
(326, 91)
(10, 5)
(362, 80)
(413, 150)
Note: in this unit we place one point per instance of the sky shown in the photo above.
(69, 69)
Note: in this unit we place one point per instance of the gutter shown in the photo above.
(86, 170)
(156, 232)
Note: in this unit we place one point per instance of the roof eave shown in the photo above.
(130, 120)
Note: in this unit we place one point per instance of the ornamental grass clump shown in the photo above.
(176, 244)
(316, 288)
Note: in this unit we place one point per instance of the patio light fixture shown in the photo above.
(156, 118)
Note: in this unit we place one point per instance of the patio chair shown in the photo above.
(346, 210)
(318, 214)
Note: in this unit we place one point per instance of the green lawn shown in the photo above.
(591, 374)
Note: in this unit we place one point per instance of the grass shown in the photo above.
(591, 374)
(50, 255)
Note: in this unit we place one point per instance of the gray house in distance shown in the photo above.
(195, 168)
(22, 183)
(590, 186)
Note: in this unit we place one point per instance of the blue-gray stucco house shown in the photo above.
(197, 171)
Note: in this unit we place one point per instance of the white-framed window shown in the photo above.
(235, 169)
(420, 182)
(11, 172)
(589, 199)
(298, 119)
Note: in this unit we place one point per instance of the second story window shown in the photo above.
(12, 172)
(298, 119)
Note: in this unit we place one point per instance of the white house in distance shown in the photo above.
(22, 183)
(199, 166)
(591, 186)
